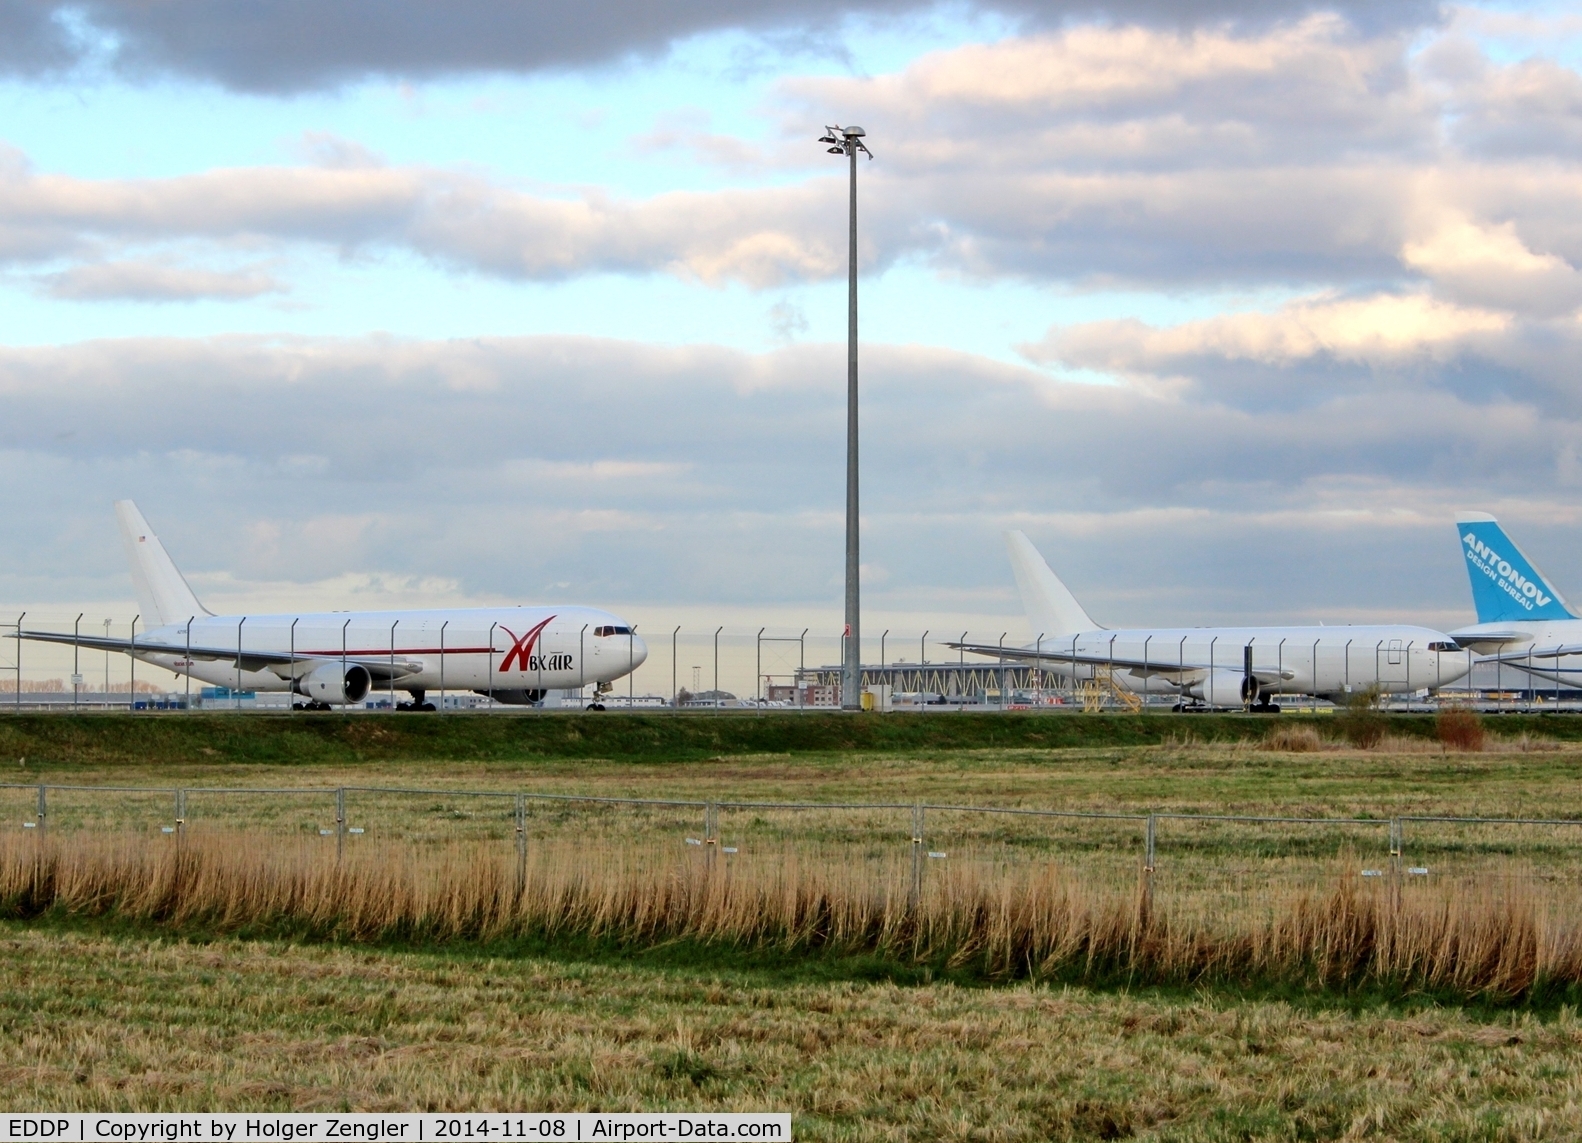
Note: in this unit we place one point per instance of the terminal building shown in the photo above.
(944, 683)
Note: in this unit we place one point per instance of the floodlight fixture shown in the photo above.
(848, 141)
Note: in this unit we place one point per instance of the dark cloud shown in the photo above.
(294, 45)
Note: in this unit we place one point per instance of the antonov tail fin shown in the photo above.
(1505, 584)
(162, 593)
(1050, 606)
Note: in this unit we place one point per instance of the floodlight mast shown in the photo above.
(847, 141)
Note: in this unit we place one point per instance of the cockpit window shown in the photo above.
(602, 632)
(1442, 646)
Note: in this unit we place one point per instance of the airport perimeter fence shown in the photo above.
(705, 667)
(1208, 863)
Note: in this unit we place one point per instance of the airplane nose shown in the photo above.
(639, 651)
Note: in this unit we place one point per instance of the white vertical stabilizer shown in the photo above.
(1050, 606)
(162, 593)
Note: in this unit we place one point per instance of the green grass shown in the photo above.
(315, 740)
(1133, 763)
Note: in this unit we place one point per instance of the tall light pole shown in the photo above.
(847, 141)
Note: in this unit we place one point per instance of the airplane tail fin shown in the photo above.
(1050, 606)
(162, 593)
(1505, 584)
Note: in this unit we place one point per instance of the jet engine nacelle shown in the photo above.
(515, 697)
(335, 684)
(1224, 687)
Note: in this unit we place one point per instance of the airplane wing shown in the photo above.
(1519, 657)
(1480, 641)
(1138, 667)
(282, 663)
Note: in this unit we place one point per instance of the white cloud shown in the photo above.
(1379, 330)
(1306, 152)
(1492, 265)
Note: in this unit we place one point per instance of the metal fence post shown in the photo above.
(711, 839)
(1395, 860)
(492, 626)
(43, 808)
(801, 664)
(340, 823)
(521, 845)
(915, 898)
(181, 812)
(1148, 864)
(186, 667)
(131, 678)
(717, 631)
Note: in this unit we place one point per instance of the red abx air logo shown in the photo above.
(522, 652)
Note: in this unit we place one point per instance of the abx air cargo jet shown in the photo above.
(513, 654)
(1224, 667)
(1523, 620)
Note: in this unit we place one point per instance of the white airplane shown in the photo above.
(337, 658)
(1523, 620)
(1224, 667)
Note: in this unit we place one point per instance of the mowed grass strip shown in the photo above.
(1519, 777)
(94, 1022)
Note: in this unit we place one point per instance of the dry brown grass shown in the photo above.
(1293, 739)
(1496, 937)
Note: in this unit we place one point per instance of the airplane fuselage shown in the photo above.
(1208, 663)
(485, 649)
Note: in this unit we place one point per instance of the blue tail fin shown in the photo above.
(1505, 585)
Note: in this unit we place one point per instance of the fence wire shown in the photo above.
(1203, 858)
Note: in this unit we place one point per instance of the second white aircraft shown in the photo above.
(1224, 666)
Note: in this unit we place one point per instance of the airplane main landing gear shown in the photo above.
(417, 702)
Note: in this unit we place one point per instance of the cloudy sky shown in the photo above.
(1229, 306)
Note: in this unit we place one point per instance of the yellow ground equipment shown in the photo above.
(1102, 689)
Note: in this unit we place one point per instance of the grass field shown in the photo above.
(97, 1021)
(123, 1011)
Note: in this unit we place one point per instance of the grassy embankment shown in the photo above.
(333, 740)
